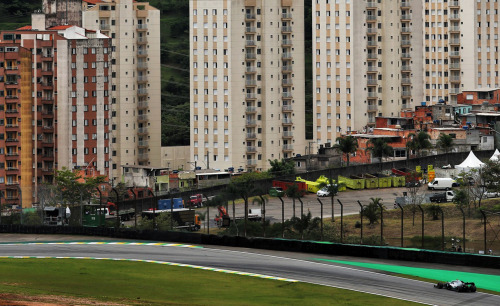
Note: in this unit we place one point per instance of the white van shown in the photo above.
(444, 183)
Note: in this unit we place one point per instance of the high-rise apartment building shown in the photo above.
(134, 28)
(247, 82)
(55, 105)
(374, 58)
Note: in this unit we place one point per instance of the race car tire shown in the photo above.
(439, 285)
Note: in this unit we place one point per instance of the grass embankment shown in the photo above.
(84, 281)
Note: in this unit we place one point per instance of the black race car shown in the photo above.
(457, 285)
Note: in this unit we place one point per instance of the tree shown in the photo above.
(372, 210)
(445, 142)
(283, 167)
(293, 192)
(347, 145)
(433, 211)
(419, 142)
(378, 147)
(415, 196)
(245, 187)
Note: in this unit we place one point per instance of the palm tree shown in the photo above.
(293, 192)
(347, 145)
(445, 142)
(419, 142)
(378, 147)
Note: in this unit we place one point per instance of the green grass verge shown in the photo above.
(146, 283)
(487, 282)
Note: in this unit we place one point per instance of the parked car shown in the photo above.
(491, 194)
(444, 183)
(323, 192)
(276, 192)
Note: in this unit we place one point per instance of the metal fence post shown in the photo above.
(402, 227)
(381, 223)
(463, 227)
(422, 211)
(341, 221)
(282, 217)
(361, 213)
(321, 203)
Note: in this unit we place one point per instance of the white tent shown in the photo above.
(495, 156)
(471, 162)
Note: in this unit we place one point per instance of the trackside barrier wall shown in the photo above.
(326, 248)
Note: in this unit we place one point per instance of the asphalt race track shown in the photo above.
(288, 265)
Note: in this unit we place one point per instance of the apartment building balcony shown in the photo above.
(48, 169)
(142, 144)
(48, 127)
(454, 79)
(11, 68)
(11, 140)
(371, 43)
(250, 70)
(287, 108)
(142, 66)
(288, 147)
(11, 97)
(47, 71)
(250, 56)
(454, 29)
(11, 111)
(251, 110)
(372, 95)
(286, 29)
(142, 105)
(287, 82)
(454, 66)
(250, 43)
(10, 169)
(286, 16)
(10, 83)
(47, 99)
(142, 79)
(250, 83)
(287, 95)
(251, 163)
(405, 81)
(370, 5)
(142, 131)
(142, 52)
(287, 134)
(251, 136)
(142, 118)
(48, 142)
(141, 40)
(286, 43)
(11, 183)
(251, 96)
(454, 91)
(144, 157)
(12, 154)
(454, 41)
(406, 17)
(405, 4)
(405, 68)
(48, 156)
(251, 123)
(405, 42)
(371, 56)
(286, 56)
(142, 91)
(406, 94)
(372, 108)
(371, 31)
(251, 149)
(371, 82)
(406, 29)
(453, 3)
(249, 17)
(104, 26)
(371, 69)
(371, 18)
(11, 126)
(142, 27)
(287, 121)
(454, 54)
(405, 55)
(47, 56)
(286, 69)
(371, 120)
(251, 30)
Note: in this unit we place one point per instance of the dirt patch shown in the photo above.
(49, 300)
